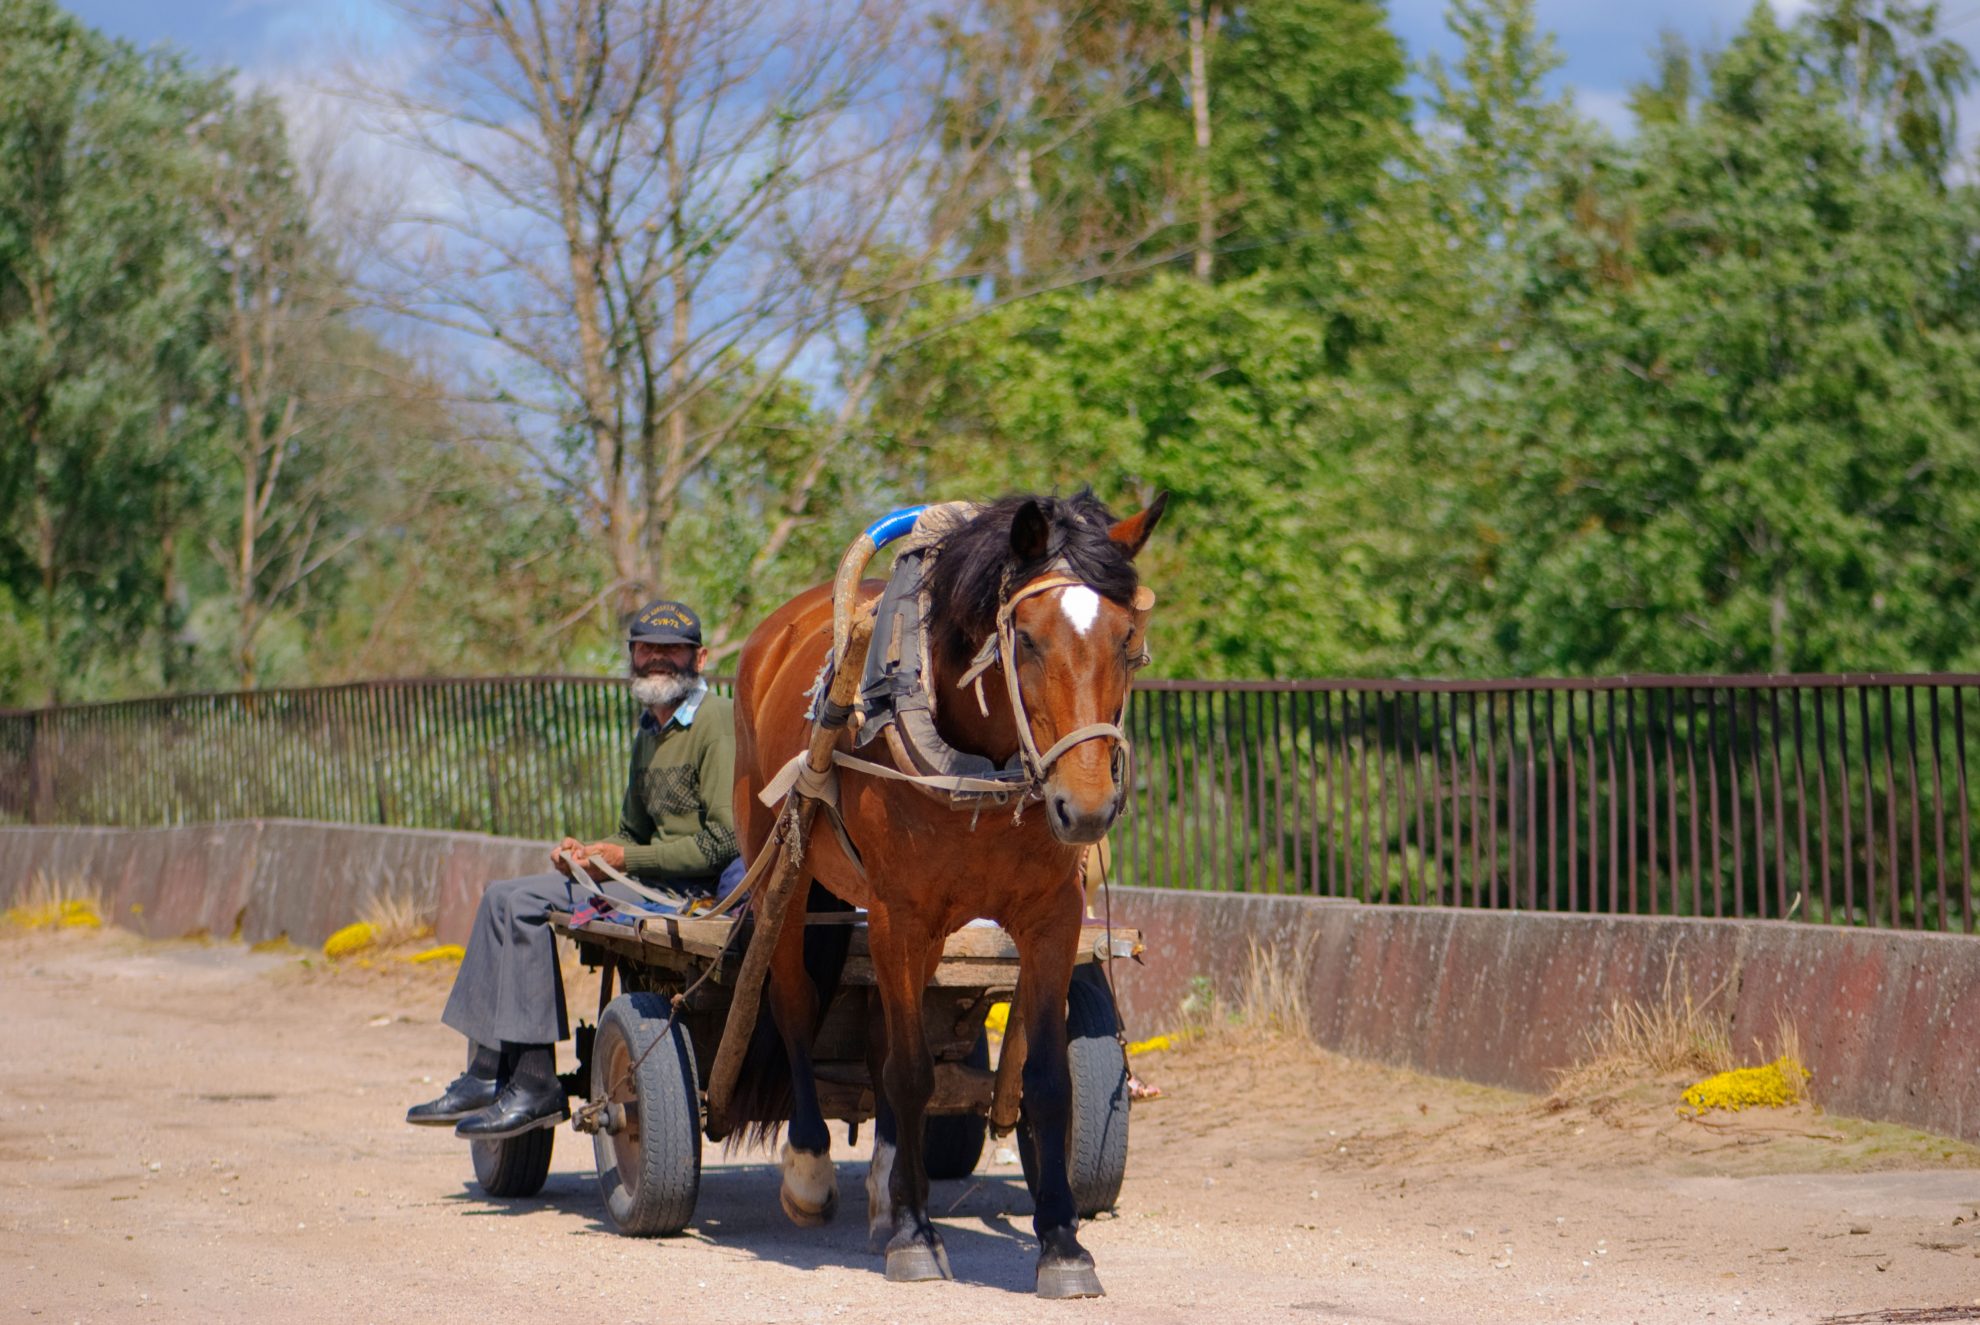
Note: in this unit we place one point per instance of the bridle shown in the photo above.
(1002, 643)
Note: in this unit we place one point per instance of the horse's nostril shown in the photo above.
(1059, 808)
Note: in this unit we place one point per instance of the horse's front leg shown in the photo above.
(900, 947)
(1045, 962)
(880, 1172)
(810, 1189)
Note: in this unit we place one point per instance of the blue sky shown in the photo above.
(1606, 44)
(255, 36)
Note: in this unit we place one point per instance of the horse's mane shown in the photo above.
(965, 585)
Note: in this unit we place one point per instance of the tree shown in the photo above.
(1307, 112)
(295, 466)
(107, 290)
(646, 196)
(1499, 130)
(1047, 160)
(1245, 136)
(1754, 448)
(1217, 394)
(1666, 98)
(1903, 79)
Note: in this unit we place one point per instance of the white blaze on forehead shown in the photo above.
(1081, 606)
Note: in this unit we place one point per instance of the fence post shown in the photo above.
(34, 767)
(373, 725)
(40, 797)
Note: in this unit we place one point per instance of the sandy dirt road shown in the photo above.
(193, 1132)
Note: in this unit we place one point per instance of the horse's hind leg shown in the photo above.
(903, 955)
(810, 1189)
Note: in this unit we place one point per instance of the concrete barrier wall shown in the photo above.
(265, 878)
(1889, 1022)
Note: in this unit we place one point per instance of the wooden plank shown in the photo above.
(980, 942)
(974, 955)
(959, 1088)
(953, 973)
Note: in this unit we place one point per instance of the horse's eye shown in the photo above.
(1027, 643)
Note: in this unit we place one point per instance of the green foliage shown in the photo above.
(208, 468)
(1491, 393)
(1218, 395)
(1902, 79)
(1737, 429)
(107, 380)
(1049, 146)
(1307, 111)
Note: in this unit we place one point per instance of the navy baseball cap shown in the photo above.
(664, 621)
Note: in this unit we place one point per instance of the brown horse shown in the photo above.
(1061, 571)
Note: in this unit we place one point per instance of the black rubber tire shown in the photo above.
(952, 1143)
(516, 1166)
(650, 1173)
(1097, 1129)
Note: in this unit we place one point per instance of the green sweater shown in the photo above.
(679, 818)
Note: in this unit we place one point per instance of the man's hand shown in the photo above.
(564, 848)
(611, 853)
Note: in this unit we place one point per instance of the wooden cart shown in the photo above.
(642, 1097)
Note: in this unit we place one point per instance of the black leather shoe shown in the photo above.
(516, 1110)
(468, 1094)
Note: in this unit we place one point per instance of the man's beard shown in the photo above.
(661, 689)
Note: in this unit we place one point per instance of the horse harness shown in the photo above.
(919, 755)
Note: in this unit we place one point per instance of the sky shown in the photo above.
(1607, 45)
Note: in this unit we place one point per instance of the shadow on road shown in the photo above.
(984, 1219)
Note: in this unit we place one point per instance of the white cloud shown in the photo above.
(1606, 107)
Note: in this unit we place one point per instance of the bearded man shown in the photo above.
(676, 833)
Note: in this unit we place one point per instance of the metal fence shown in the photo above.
(517, 756)
(1842, 799)
(1828, 798)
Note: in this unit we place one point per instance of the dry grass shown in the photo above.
(50, 903)
(391, 920)
(1268, 1001)
(1635, 1042)
(397, 919)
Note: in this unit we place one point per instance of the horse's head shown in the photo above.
(1076, 645)
(1056, 601)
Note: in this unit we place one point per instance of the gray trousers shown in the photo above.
(509, 986)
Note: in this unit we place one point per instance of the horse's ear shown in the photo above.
(1132, 533)
(1031, 534)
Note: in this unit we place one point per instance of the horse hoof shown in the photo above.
(1063, 1279)
(805, 1216)
(810, 1190)
(917, 1263)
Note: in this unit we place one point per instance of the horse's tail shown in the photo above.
(763, 1098)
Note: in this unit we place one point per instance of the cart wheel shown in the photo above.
(952, 1143)
(1096, 1150)
(649, 1172)
(516, 1166)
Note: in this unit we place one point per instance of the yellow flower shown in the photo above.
(350, 939)
(56, 915)
(446, 952)
(1770, 1087)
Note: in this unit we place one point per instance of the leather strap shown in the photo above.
(1039, 765)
